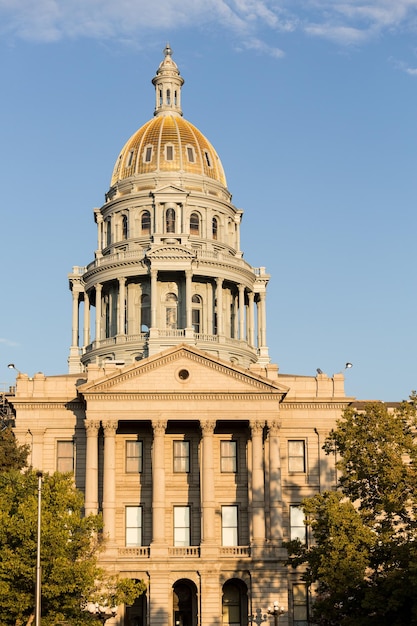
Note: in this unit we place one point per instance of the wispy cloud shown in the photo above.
(7, 342)
(342, 21)
(403, 67)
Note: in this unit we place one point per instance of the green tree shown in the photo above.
(12, 456)
(363, 561)
(70, 545)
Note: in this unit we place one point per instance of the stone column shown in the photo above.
(242, 335)
(275, 485)
(258, 489)
(251, 321)
(158, 483)
(188, 305)
(100, 238)
(154, 296)
(75, 320)
(86, 339)
(91, 467)
(219, 298)
(208, 502)
(262, 311)
(122, 309)
(99, 288)
(109, 479)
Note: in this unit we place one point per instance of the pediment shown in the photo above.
(171, 251)
(169, 189)
(180, 371)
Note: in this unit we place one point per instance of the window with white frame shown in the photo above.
(191, 154)
(298, 529)
(181, 454)
(65, 456)
(300, 604)
(147, 155)
(182, 530)
(197, 305)
(230, 526)
(145, 223)
(169, 152)
(228, 456)
(133, 526)
(134, 452)
(194, 224)
(296, 455)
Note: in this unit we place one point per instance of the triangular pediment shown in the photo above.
(169, 189)
(183, 370)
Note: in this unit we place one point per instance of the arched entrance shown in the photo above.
(185, 603)
(135, 614)
(235, 603)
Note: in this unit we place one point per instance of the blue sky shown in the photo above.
(312, 107)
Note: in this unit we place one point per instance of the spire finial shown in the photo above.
(168, 83)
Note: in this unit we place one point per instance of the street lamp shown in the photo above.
(103, 613)
(38, 555)
(276, 611)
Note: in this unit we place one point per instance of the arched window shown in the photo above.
(196, 313)
(146, 223)
(124, 227)
(171, 311)
(234, 604)
(145, 313)
(170, 221)
(214, 227)
(185, 607)
(194, 224)
(168, 96)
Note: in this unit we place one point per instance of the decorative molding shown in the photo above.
(92, 427)
(181, 396)
(313, 404)
(207, 427)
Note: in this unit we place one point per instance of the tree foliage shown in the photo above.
(363, 561)
(12, 456)
(70, 546)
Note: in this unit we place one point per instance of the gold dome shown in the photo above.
(168, 143)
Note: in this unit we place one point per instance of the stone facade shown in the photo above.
(194, 447)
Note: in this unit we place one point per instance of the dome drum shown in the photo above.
(168, 268)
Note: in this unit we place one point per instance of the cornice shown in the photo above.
(316, 404)
(32, 403)
(175, 397)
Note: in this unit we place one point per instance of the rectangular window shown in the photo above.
(229, 526)
(134, 457)
(190, 154)
(148, 154)
(228, 456)
(65, 456)
(181, 456)
(182, 535)
(169, 153)
(298, 530)
(133, 526)
(300, 605)
(296, 456)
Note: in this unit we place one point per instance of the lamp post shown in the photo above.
(103, 613)
(38, 555)
(276, 611)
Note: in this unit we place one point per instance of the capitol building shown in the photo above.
(195, 448)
